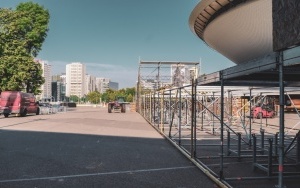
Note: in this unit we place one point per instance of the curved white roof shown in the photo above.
(241, 33)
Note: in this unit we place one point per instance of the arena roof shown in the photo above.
(241, 30)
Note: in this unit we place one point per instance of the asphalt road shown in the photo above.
(88, 147)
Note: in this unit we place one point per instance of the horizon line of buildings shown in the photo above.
(74, 82)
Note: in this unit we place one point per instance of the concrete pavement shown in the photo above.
(88, 147)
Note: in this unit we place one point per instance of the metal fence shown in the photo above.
(52, 110)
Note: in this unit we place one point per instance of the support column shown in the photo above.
(158, 109)
(202, 111)
(213, 117)
(270, 157)
(193, 120)
(228, 142)
(144, 105)
(250, 120)
(150, 109)
(254, 152)
(154, 106)
(179, 114)
(298, 149)
(276, 144)
(262, 143)
(221, 175)
(281, 121)
(162, 111)
(195, 117)
(239, 146)
(170, 106)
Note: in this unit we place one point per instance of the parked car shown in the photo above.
(46, 108)
(45, 105)
(17, 102)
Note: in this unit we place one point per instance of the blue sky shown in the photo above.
(110, 36)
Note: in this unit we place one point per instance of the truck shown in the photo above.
(119, 105)
(18, 103)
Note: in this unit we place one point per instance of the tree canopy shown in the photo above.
(110, 95)
(93, 97)
(22, 33)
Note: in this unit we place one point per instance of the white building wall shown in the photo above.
(63, 78)
(98, 84)
(90, 83)
(102, 84)
(93, 80)
(47, 86)
(75, 79)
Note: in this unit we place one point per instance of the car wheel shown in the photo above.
(24, 113)
(123, 108)
(38, 111)
(109, 108)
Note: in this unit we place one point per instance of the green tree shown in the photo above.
(111, 95)
(34, 82)
(131, 91)
(94, 97)
(22, 32)
(74, 98)
(35, 26)
(104, 97)
(129, 98)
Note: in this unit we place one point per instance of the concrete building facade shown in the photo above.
(46, 88)
(114, 85)
(90, 82)
(75, 79)
(102, 84)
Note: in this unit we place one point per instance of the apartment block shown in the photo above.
(102, 84)
(90, 82)
(46, 88)
(114, 85)
(75, 79)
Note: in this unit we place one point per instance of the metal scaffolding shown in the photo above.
(211, 118)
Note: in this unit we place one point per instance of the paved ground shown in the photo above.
(87, 147)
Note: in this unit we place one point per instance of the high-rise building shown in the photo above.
(63, 87)
(56, 78)
(63, 78)
(46, 87)
(113, 85)
(75, 79)
(90, 83)
(102, 84)
(56, 91)
(58, 87)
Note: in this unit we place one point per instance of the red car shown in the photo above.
(17, 102)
